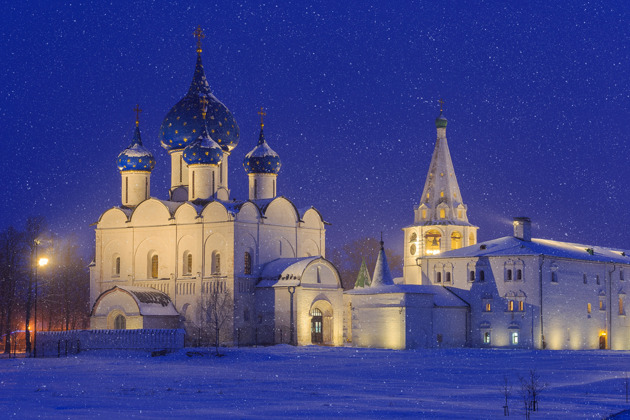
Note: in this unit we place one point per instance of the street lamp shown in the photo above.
(41, 262)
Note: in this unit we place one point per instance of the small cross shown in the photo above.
(262, 114)
(199, 35)
(441, 103)
(204, 105)
(137, 110)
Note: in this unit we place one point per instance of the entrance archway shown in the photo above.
(317, 327)
(602, 342)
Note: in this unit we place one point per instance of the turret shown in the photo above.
(135, 164)
(262, 165)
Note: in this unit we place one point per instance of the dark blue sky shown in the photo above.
(536, 95)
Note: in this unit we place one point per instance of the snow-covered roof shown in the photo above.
(150, 301)
(510, 245)
(382, 276)
(284, 271)
(441, 295)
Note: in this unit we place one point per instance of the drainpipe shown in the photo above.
(542, 324)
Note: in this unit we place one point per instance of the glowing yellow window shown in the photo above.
(588, 308)
(424, 214)
(442, 214)
(488, 307)
(456, 240)
(511, 305)
(459, 214)
(521, 306)
(441, 193)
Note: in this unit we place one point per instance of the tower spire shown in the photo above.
(137, 110)
(262, 114)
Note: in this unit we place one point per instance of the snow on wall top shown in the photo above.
(284, 271)
(509, 245)
(441, 295)
(150, 301)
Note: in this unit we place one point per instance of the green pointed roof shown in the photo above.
(363, 279)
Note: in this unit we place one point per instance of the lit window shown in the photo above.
(441, 193)
(117, 266)
(456, 240)
(459, 214)
(471, 239)
(601, 305)
(588, 308)
(488, 307)
(432, 240)
(508, 275)
(424, 214)
(521, 306)
(510, 305)
(514, 338)
(486, 337)
(154, 267)
(442, 214)
(248, 263)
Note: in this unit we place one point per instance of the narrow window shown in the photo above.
(554, 277)
(588, 308)
(472, 276)
(508, 275)
(511, 305)
(221, 172)
(255, 189)
(482, 275)
(621, 275)
(274, 187)
(521, 306)
(438, 277)
(621, 306)
(214, 188)
(519, 274)
(319, 275)
(120, 323)
(448, 277)
(424, 214)
(154, 267)
(442, 214)
(126, 190)
(585, 279)
(486, 337)
(181, 164)
(187, 263)
(217, 264)
(441, 193)
(248, 263)
(459, 214)
(601, 305)
(597, 279)
(146, 188)
(192, 187)
(488, 307)
(514, 338)
(117, 267)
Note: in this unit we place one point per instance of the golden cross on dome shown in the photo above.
(137, 110)
(199, 35)
(204, 106)
(441, 104)
(262, 114)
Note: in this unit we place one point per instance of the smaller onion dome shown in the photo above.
(136, 157)
(262, 159)
(204, 150)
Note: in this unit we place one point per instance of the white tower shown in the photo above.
(262, 165)
(135, 164)
(440, 222)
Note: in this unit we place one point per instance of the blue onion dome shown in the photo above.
(203, 150)
(262, 159)
(183, 122)
(136, 157)
(440, 121)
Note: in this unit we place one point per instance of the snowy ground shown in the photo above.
(312, 382)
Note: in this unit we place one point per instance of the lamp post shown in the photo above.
(291, 290)
(41, 262)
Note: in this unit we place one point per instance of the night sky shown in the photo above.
(537, 97)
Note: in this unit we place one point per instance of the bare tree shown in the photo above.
(215, 309)
(531, 388)
(12, 255)
(506, 391)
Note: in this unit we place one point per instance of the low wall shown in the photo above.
(59, 343)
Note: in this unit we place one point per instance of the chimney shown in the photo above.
(523, 228)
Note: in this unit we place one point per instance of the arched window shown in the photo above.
(448, 277)
(472, 276)
(432, 240)
(154, 266)
(424, 214)
(216, 263)
(519, 274)
(456, 240)
(187, 263)
(120, 323)
(554, 277)
(482, 275)
(521, 306)
(248, 263)
(510, 305)
(486, 337)
(442, 214)
(438, 277)
(597, 279)
(584, 278)
(116, 270)
(621, 312)
(413, 237)
(508, 275)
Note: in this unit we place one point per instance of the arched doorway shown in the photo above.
(602, 341)
(317, 324)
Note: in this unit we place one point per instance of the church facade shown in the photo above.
(257, 264)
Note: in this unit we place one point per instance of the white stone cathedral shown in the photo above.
(158, 261)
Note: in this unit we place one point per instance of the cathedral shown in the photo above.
(257, 264)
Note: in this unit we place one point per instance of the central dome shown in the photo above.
(183, 123)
